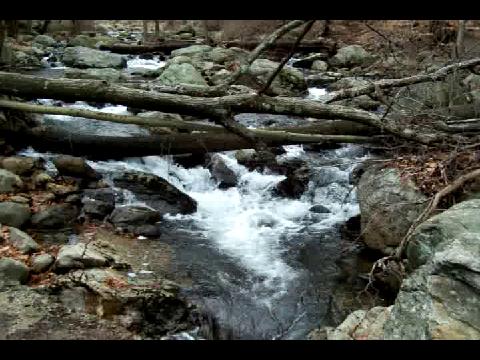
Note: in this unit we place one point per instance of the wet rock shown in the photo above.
(111, 75)
(189, 161)
(41, 263)
(319, 209)
(289, 81)
(156, 192)
(41, 179)
(253, 159)
(295, 184)
(362, 325)
(21, 165)
(351, 55)
(74, 199)
(307, 62)
(221, 172)
(388, 207)
(184, 73)
(83, 57)
(440, 299)
(319, 65)
(75, 166)
(19, 199)
(128, 215)
(323, 79)
(57, 216)
(23, 241)
(9, 182)
(78, 256)
(44, 40)
(96, 208)
(13, 271)
(145, 230)
(14, 214)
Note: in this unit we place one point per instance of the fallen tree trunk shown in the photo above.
(168, 46)
(33, 87)
(54, 139)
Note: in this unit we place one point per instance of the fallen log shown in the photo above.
(163, 47)
(54, 139)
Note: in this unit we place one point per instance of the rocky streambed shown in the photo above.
(226, 245)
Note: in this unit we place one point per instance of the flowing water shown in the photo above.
(264, 266)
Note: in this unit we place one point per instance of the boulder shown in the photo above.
(90, 41)
(440, 299)
(319, 65)
(388, 207)
(191, 50)
(134, 215)
(362, 325)
(78, 256)
(75, 166)
(57, 216)
(98, 203)
(44, 40)
(9, 182)
(319, 209)
(183, 73)
(14, 214)
(308, 61)
(110, 75)
(289, 81)
(225, 176)
(83, 57)
(21, 165)
(156, 192)
(295, 184)
(348, 82)
(41, 262)
(23, 241)
(252, 159)
(350, 56)
(13, 271)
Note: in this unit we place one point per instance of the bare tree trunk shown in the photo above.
(460, 46)
(157, 29)
(2, 35)
(145, 30)
(44, 27)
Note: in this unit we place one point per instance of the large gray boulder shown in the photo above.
(388, 207)
(22, 241)
(440, 299)
(110, 75)
(183, 73)
(75, 166)
(191, 50)
(58, 216)
(225, 176)
(78, 256)
(9, 182)
(44, 40)
(84, 57)
(98, 203)
(41, 262)
(289, 81)
(132, 216)
(21, 165)
(351, 55)
(156, 192)
(14, 214)
(13, 271)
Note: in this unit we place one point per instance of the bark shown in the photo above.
(410, 80)
(34, 87)
(53, 139)
(165, 47)
(319, 45)
(157, 28)
(2, 35)
(460, 46)
(145, 30)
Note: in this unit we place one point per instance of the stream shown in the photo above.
(264, 266)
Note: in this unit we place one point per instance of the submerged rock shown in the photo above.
(295, 184)
(128, 215)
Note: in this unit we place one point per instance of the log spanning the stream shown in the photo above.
(319, 45)
(54, 139)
